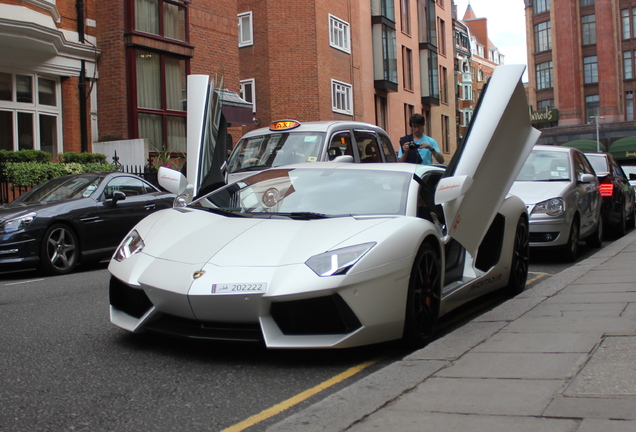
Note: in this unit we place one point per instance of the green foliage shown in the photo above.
(81, 158)
(33, 173)
(25, 156)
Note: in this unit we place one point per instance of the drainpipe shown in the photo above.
(82, 79)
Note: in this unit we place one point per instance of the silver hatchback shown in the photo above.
(561, 193)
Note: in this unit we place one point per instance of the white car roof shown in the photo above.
(316, 126)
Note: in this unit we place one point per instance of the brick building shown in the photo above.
(476, 59)
(581, 71)
(376, 61)
(76, 72)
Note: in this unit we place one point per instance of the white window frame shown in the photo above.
(341, 97)
(245, 19)
(36, 109)
(249, 86)
(339, 29)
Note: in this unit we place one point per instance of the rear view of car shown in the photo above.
(617, 193)
(561, 193)
(289, 142)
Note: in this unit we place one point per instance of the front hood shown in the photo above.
(535, 192)
(11, 210)
(198, 237)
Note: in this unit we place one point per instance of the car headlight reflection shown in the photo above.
(339, 261)
(131, 245)
(16, 224)
(551, 207)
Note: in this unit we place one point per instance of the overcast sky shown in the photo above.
(506, 26)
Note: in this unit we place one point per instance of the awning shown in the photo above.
(585, 145)
(235, 109)
(624, 148)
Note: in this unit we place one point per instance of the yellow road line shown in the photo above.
(277, 409)
(537, 277)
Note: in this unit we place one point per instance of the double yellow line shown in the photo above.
(277, 409)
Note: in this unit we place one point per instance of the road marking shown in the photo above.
(23, 282)
(277, 409)
(537, 277)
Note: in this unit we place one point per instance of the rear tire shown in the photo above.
(423, 298)
(520, 259)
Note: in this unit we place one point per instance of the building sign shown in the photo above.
(546, 115)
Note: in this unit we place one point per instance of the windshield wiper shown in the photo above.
(221, 211)
(252, 168)
(305, 215)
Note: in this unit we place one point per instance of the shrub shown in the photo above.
(81, 158)
(25, 156)
(24, 174)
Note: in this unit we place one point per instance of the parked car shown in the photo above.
(616, 191)
(561, 192)
(289, 141)
(335, 255)
(630, 172)
(74, 218)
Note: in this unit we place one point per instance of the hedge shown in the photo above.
(32, 167)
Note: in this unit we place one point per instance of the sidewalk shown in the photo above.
(558, 357)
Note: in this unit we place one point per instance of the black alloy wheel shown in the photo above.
(621, 228)
(60, 250)
(423, 298)
(520, 259)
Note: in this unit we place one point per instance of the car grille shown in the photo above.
(181, 327)
(132, 301)
(322, 315)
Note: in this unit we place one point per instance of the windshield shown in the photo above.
(272, 150)
(546, 166)
(599, 163)
(62, 188)
(308, 193)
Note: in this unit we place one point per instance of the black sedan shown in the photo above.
(72, 219)
(616, 192)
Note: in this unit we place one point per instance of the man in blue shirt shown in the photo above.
(417, 147)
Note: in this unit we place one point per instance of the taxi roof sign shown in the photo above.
(283, 125)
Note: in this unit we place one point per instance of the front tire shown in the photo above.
(423, 298)
(571, 249)
(59, 252)
(520, 262)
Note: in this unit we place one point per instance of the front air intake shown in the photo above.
(132, 301)
(321, 315)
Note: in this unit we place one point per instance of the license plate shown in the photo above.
(240, 288)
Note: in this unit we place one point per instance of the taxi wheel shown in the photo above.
(520, 259)
(59, 252)
(423, 298)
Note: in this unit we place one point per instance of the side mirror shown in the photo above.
(587, 178)
(175, 182)
(451, 188)
(172, 180)
(118, 196)
(343, 158)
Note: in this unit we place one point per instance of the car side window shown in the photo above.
(387, 148)
(340, 145)
(368, 148)
(131, 186)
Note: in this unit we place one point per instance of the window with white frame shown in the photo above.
(339, 36)
(248, 92)
(245, 29)
(30, 115)
(341, 97)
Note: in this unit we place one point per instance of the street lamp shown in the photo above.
(598, 144)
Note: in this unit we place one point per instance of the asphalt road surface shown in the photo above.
(64, 367)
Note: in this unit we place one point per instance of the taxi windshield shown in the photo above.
(312, 193)
(276, 149)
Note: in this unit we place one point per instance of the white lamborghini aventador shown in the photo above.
(321, 255)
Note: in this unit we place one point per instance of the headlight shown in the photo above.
(551, 207)
(130, 246)
(339, 261)
(17, 224)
